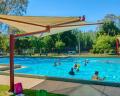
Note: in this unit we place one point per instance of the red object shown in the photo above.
(83, 18)
(117, 46)
(12, 42)
(18, 88)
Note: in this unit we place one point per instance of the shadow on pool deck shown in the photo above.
(77, 89)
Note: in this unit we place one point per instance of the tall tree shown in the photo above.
(12, 7)
(110, 26)
(3, 42)
(104, 44)
(59, 45)
(48, 43)
(69, 39)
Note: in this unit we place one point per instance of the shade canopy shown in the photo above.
(118, 38)
(33, 24)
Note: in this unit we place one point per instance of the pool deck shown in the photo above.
(77, 89)
(68, 88)
(27, 82)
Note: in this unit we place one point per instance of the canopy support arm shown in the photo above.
(76, 25)
(56, 25)
(33, 33)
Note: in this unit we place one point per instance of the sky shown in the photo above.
(93, 9)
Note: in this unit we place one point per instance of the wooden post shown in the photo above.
(12, 41)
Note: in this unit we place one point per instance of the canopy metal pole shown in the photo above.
(117, 46)
(12, 42)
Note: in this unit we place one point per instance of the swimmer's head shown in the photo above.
(96, 72)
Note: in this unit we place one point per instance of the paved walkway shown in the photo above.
(76, 89)
(27, 82)
(60, 87)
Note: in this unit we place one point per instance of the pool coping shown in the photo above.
(7, 67)
(90, 82)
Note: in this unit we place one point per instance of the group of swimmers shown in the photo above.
(94, 77)
(77, 67)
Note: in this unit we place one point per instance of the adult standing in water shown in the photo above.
(72, 72)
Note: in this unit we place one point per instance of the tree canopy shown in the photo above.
(104, 44)
(14, 7)
(110, 26)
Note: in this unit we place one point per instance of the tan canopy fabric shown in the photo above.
(38, 23)
(118, 38)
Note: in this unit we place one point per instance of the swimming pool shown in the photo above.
(107, 67)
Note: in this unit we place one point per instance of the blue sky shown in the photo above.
(93, 9)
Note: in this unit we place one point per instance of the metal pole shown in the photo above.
(79, 46)
(117, 46)
(12, 62)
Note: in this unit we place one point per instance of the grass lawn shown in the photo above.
(4, 92)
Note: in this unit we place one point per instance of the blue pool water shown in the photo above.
(107, 67)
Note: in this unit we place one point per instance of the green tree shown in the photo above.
(104, 44)
(12, 7)
(59, 45)
(109, 28)
(23, 44)
(36, 44)
(3, 43)
(16, 7)
(69, 39)
(113, 18)
(85, 39)
(48, 43)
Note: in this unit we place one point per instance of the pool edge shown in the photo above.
(90, 82)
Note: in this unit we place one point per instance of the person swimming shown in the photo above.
(96, 76)
(55, 64)
(71, 72)
(86, 62)
(75, 66)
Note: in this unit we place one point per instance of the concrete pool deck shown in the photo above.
(77, 89)
(27, 82)
(60, 87)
